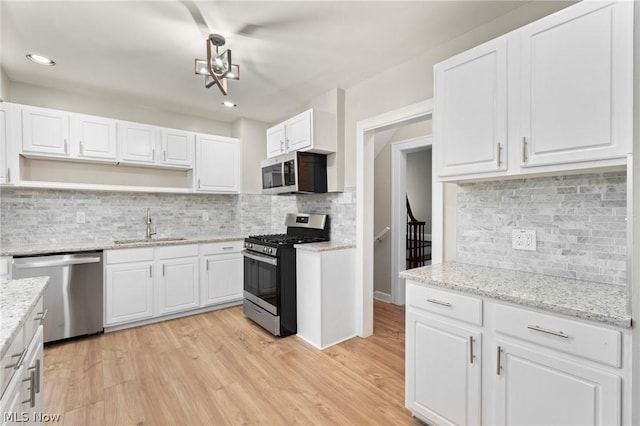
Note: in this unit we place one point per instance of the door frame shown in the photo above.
(365, 154)
(399, 151)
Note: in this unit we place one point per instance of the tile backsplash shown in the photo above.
(43, 216)
(580, 221)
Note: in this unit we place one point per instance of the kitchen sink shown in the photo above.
(149, 240)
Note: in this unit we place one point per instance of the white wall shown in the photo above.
(252, 135)
(419, 186)
(115, 106)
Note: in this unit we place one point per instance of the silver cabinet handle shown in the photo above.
(153, 154)
(524, 149)
(545, 330)
(17, 364)
(207, 264)
(439, 302)
(227, 248)
(81, 148)
(471, 356)
(499, 154)
(286, 144)
(150, 271)
(198, 183)
(498, 366)
(8, 174)
(42, 315)
(66, 147)
(36, 370)
(164, 155)
(32, 390)
(163, 269)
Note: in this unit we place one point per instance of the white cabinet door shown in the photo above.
(443, 378)
(177, 148)
(222, 278)
(276, 141)
(178, 286)
(128, 292)
(94, 137)
(541, 388)
(470, 113)
(298, 132)
(217, 164)
(577, 84)
(138, 142)
(45, 131)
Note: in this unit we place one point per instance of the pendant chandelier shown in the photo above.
(217, 68)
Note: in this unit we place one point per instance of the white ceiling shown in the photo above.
(289, 51)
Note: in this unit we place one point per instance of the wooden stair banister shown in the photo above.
(416, 245)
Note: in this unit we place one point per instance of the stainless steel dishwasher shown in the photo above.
(73, 300)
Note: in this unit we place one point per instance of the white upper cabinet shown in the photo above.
(553, 96)
(93, 137)
(137, 142)
(577, 84)
(311, 130)
(275, 141)
(299, 131)
(177, 148)
(4, 169)
(218, 164)
(471, 110)
(45, 131)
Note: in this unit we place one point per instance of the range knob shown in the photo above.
(264, 249)
(250, 245)
(270, 251)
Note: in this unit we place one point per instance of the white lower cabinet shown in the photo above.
(177, 287)
(129, 292)
(533, 368)
(22, 399)
(148, 284)
(222, 278)
(446, 363)
(539, 387)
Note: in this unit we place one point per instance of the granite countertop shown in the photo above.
(110, 244)
(17, 299)
(593, 301)
(325, 246)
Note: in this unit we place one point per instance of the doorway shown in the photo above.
(365, 150)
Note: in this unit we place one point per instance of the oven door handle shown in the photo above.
(270, 260)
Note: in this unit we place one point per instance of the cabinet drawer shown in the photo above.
(33, 322)
(445, 303)
(5, 266)
(223, 247)
(128, 255)
(573, 337)
(172, 252)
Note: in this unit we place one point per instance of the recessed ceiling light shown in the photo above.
(40, 59)
(229, 104)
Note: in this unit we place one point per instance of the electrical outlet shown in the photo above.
(523, 239)
(80, 217)
(205, 216)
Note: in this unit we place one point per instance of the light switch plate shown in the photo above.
(523, 239)
(80, 217)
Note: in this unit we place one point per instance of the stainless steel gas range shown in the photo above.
(270, 272)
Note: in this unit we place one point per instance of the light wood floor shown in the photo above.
(220, 368)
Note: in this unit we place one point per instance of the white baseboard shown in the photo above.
(383, 297)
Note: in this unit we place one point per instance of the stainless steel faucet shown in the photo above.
(150, 229)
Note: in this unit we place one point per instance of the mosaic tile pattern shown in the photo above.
(580, 221)
(42, 217)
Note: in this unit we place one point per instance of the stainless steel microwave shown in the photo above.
(294, 173)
